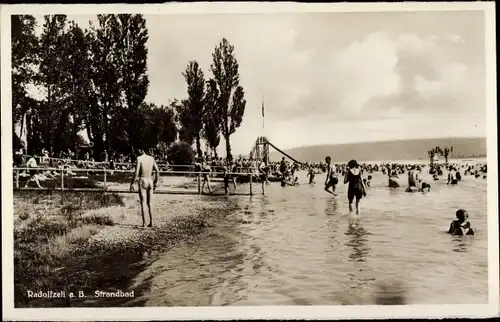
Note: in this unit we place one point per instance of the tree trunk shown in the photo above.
(228, 147)
(48, 136)
(106, 127)
(198, 146)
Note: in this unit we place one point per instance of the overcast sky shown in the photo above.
(334, 77)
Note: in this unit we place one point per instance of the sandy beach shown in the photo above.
(84, 242)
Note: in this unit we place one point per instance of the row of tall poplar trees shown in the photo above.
(96, 80)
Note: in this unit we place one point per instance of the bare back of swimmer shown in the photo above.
(144, 168)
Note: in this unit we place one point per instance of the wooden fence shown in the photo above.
(104, 189)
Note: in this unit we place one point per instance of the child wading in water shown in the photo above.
(356, 188)
(331, 177)
(311, 175)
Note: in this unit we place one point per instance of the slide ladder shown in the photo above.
(262, 141)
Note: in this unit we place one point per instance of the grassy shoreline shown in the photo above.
(86, 243)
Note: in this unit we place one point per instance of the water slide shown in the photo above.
(282, 152)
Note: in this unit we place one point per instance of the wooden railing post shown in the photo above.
(62, 186)
(105, 187)
(251, 191)
(17, 178)
(199, 184)
(62, 179)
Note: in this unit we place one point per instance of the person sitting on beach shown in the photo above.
(331, 177)
(49, 174)
(144, 168)
(356, 188)
(311, 174)
(461, 226)
(18, 159)
(45, 156)
(33, 176)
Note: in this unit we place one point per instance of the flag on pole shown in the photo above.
(263, 113)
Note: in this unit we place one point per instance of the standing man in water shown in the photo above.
(331, 177)
(144, 168)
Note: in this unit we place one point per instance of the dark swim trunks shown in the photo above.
(333, 181)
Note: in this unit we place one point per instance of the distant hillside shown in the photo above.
(388, 150)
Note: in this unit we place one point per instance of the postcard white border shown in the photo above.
(259, 312)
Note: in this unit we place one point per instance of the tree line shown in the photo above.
(96, 80)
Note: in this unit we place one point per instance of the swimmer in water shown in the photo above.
(425, 187)
(311, 174)
(356, 188)
(452, 176)
(283, 167)
(393, 178)
(369, 181)
(288, 181)
(144, 168)
(331, 177)
(461, 226)
(411, 189)
(412, 180)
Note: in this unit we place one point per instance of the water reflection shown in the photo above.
(460, 244)
(357, 241)
(331, 206)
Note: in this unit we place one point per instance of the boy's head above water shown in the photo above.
(462, 215)
(328, 159)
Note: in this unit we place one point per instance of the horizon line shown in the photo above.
(385, 141)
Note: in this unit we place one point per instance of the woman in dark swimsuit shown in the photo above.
(356, 188)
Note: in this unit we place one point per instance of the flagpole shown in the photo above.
(263, 124)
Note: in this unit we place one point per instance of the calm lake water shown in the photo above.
(300, 246)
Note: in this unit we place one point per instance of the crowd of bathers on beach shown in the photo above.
(357, 176)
